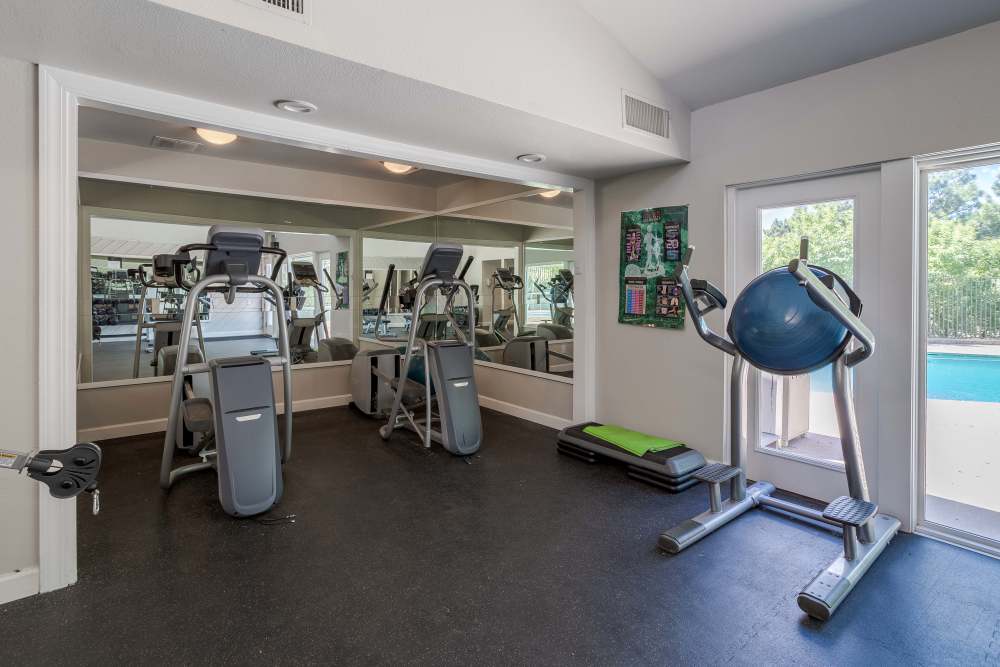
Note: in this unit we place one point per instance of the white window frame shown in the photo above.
(755, 378)
(926, 165)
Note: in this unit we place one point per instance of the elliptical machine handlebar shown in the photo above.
(339, 293)
(381, 306)
(824, 296)
(506, 280)
(702, 297)
(186, 285)
(465, 269)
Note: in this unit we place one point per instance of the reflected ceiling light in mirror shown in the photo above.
(549, 194)
(215, 136)
(296, 106)
(398, 167)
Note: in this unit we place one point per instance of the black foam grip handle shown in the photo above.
(709, 290)
(465, 269)
(385, 290)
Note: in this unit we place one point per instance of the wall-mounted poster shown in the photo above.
(342, 276)
(650, 250)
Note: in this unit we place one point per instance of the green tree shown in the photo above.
(987, 221)
(953, 194)
(829, 226)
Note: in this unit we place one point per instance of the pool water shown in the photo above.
(950, 377)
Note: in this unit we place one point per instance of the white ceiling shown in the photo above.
(707, 51)
(150, 45)
(701, 51)
(138, 131)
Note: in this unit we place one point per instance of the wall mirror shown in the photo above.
(523, 292)
(148, 186)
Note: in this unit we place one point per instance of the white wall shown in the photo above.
(18, 336)
(937, 96)
(551, 58)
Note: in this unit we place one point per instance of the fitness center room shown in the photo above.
(575, 332)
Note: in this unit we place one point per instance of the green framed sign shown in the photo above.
(651, 242)
(342, 274)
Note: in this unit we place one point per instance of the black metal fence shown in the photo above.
(963, 308)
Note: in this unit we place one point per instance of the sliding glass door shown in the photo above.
(960, 384)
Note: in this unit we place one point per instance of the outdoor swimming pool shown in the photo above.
(950, 377)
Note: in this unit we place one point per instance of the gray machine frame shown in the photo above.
(230, 284)
(456, 396)
(865, 532)
(160, 280)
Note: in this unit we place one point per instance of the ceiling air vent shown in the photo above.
(170, 144)
(293, 9)
(638, 114)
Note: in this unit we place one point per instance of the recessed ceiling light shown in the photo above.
(215, 136)
(531, 158)
(549, 194)
(296, 106)
(398, 167)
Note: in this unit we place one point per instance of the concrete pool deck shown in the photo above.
(981, 349)
(962, 453)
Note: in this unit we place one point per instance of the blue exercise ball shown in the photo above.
(778, 328)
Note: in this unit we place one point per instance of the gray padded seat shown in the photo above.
(166, 359)
(336, 349)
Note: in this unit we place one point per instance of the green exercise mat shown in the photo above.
(631, 441)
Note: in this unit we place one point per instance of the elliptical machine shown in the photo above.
(505, 323)
(224, 410)
(559, 293)
(790, 321)
(444, 389)
(301, 330)
(165, 326)
(526, 348)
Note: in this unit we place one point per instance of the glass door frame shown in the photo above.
(951, 160)
(817, 478)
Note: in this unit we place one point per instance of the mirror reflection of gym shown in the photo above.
(138, 288)
(521, 321)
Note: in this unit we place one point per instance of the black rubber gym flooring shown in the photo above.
(518, 556)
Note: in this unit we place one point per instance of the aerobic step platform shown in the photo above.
(671, 469)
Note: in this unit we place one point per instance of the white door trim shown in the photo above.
(919, 169)
(61, 92)
(57, 269)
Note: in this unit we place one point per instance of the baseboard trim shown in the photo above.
(20, 584)
(320, 403)
(157, 425)
(522, 412)
(121, 430)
